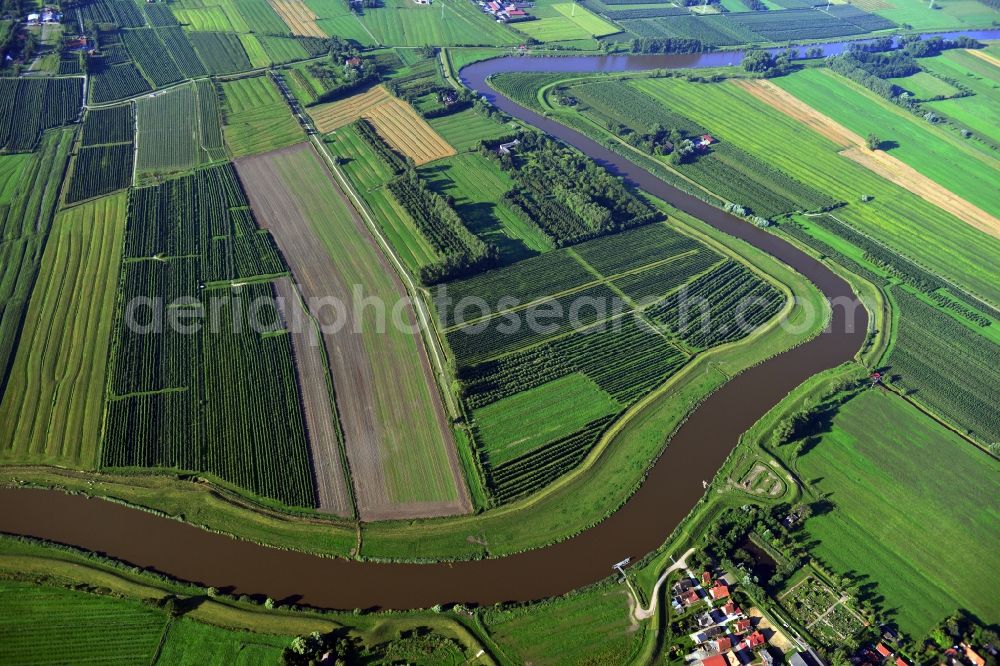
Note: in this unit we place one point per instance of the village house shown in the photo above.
(883, 651)
(715, 660)
(505, 149)
(719, 591)
(974, 657)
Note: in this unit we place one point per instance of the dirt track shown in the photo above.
(876, 161)
(321, 424)
(364, 401)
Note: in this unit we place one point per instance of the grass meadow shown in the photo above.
(923, 85)
(520, 423)
(915, 227)
(947, 15)
(445, 23)
(256, 118)
(935, 152)
(465, 129)
(45, 625)
(592, 627)
(565, 21)
(477, 186)
(914, 508)
(52, 408)
(981, 112)
(369, 175)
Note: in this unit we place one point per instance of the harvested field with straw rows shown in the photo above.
(334, 115)
(408, 133)
(300, 19)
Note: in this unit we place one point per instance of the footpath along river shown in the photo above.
(671, 489)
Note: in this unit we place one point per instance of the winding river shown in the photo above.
(671, 489)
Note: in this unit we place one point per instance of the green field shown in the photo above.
(980, 112)
(255, 51)
(11, 167)
(923, 85)
(914, 505)
(943, 243)
(477, 186)
(588, 628)
(941, 155)
(256, 117)
(445, 23)
(43, 625)
(52, 409)
(169, 138)
(30, 207)
(191, 643)
(369, 175)
(565, 21)
(211, 18)
(516, 425)
(465, 129)
(945, 15)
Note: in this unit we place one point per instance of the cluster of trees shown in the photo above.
(961, 627)
(659, 141)
(381, 149)
(872, 63)
(339, 79)
(755, 5)
(758, 61)
(332, 648)
(568, 196)
(668, 45)
(359, 6)
(462, 252)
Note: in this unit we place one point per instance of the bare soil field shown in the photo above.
(407, 132)
(877, 161)
(333, 115)
(399, 444)
(299, 18)
(321, 422)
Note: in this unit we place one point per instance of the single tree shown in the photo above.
(873, 141)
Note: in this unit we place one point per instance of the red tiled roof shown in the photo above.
(901, 662)
(756, 639)
(690, 597)
(720, 591)
(725, 644)
(742, 625)
(883, 650)
(717, 660)
(729, 608)
(706, 578)
(974, 657)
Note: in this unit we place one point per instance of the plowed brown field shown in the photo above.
(399, 443)
(321, 421)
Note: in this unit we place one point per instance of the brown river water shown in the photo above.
(672, 488)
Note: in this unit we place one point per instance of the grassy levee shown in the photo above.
(52, 408)
(227, 619)
(620, 460)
